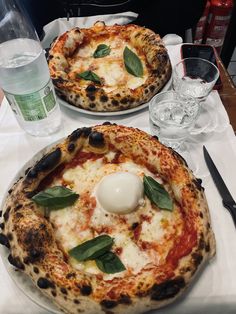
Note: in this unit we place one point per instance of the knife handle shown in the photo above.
(231, 206)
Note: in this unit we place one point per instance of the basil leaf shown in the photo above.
(92, 249)
(132, 62)
(101, 51)
(157, 194)
(90, 76)
(56, 197)
(109, 263)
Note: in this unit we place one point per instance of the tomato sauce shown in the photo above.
(82, 157)
(183, 245)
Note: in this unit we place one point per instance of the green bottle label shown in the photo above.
(34, 106)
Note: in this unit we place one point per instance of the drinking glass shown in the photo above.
(195, 77)
(172, 118)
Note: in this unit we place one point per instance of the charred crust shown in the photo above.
(85, 289)
(16, 262)
(91, 88)
(106, 123)
(44, 283)
(167, 289)
(53, 293)
(63, 290)
(201, 214)
(48, 162)
(124, 101)
(0, 213)
(115, 102)
(30, 194)
(36, 270)
(91, 97)
(6, 214)
(134, 225)
(207, 247)
(92, 105)
(70, 275)
(96, 139)
(10, 236)
(75, 135)
(58, 81)
(71, 147)
(76, 301)
(197, 259)
(152, 88)
(2, 225)
(198, 184)
(108, 304)
(19, 206)
(174, 153)
(35, 239)
(9, 191)
(35, 255)
(104, 98)
(202, 243)
(155, 137)
(86, 131)
(4, 240)
(125, 299)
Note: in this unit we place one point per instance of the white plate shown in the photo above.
(23, 281)
(112, 113)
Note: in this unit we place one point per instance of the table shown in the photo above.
(214, 291)
(228, 94)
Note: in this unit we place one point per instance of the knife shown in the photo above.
(227, 198)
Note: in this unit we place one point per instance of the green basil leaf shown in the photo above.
(56, 197)
(132, 62)
(157, 194)
(109, 263)
(92, 249)
(101, 51)
(90, 76)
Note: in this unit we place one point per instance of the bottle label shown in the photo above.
(34, 106)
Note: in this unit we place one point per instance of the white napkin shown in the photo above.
(61, 25)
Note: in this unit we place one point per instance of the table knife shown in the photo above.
(227, 198)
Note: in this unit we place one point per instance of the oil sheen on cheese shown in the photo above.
(120, 192)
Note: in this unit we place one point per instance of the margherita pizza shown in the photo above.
(108, 221)
(108, 68)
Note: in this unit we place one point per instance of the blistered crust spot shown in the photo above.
(48, 162)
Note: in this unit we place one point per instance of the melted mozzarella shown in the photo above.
(87, 218)
(110, 68)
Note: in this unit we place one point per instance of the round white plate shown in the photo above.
(113, 113)
(23, 281)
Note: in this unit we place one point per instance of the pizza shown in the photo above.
(108, 68)
(108, 221)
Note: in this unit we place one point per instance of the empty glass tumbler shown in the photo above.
(172, 118)
(195, 77)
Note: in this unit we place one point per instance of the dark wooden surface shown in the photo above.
(227, 94)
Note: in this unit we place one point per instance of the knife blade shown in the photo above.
(227, 198)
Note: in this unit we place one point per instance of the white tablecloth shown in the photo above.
(214, 290)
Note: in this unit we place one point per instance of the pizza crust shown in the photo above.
(71, 53)
(34, 249)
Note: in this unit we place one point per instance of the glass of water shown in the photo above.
(195, 77)
(172, 118)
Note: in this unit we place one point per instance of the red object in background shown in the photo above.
(201, 25)
(218, 22)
